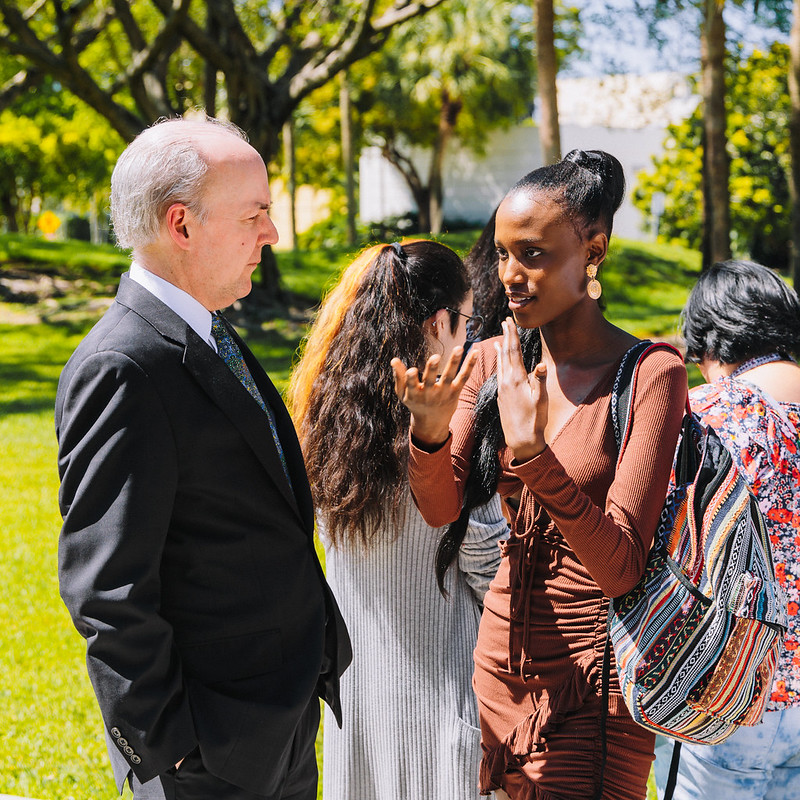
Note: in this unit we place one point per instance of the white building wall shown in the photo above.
(623, 115)
(634, 149)
(474, 185)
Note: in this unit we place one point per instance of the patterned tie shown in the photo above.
(231, 354)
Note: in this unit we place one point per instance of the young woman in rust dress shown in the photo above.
(533, 421)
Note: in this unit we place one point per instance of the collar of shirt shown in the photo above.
(196, 316)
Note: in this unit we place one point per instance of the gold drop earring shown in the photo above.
(593, 289)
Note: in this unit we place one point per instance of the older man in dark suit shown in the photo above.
(186, 557)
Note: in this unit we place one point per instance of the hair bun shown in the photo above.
(606, 167)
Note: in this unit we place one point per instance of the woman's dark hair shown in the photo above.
(738, 310)
(352, 427)
(488, 293)
(589, 186)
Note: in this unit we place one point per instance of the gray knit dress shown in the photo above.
(410, 729)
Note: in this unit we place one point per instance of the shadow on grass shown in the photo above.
(31, 361)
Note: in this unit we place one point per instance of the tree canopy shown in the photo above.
(53, 148)
(758, 145)
(136, 62)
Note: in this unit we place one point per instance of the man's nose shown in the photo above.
(269, 233)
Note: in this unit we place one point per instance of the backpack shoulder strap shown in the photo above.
(624, 388)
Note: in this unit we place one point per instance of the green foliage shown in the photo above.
(317, 134)
(477, 54)
(41, 657)
(758, 145)
(55, 149)
(331, 232)
(645, 286)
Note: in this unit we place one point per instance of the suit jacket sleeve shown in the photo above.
(118, 466)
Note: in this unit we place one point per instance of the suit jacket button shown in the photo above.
(115, 733)
(122, 742)
(135, 759)
(128, 750)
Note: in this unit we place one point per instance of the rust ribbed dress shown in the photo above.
(580, 535)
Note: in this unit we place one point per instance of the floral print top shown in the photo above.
(763, 437)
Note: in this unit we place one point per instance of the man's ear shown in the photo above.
(597, 248)
(177, 218)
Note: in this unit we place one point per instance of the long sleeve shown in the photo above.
(612, 543)
(479, 554)
(437, 478)
(119, 470)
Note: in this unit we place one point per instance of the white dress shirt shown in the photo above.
(196, 316)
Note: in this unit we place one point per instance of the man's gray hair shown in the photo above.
(163, 165)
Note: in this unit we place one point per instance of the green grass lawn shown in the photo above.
(50, 742)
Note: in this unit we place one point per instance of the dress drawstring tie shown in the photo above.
(521, 573)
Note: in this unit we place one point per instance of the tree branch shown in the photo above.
(397, 14)
(26, 44)
(22, 41)
(20, 84)
(362, 39)
(281, 37)
(144, 57)
(404, 165)
(216, 48)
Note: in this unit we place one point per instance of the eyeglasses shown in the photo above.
(474, 324)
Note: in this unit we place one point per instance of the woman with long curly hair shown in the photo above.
(533, 422)
(410, 716)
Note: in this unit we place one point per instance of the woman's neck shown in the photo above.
(586, 341)
(780, 379)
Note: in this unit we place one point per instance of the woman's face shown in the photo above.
(542, 258)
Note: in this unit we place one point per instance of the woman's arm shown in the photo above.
(613, 543)
(437, 472)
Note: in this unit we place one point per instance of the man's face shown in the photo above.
(227, 247)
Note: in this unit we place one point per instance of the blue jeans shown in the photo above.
(755, 763)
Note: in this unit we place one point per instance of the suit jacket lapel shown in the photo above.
(225, 389)
(229, 394)
(286, 433)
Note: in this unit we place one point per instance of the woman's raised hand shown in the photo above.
(432, 398)
(521, 398)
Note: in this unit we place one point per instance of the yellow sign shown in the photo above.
(48, 223)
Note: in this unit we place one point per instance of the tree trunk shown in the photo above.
(8, 208)
(291, 180)
(422, 197)
(794, 141)
(270, 276)
(210, 69)
(717, 165)
(448, 116)
(94, 222)
(419, 191)
(348, 155)
(547, 70)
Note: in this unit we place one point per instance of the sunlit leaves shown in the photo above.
(758, 147)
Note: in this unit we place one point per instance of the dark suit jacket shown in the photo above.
(186, 559)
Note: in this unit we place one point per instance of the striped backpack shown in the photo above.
(697, 639)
